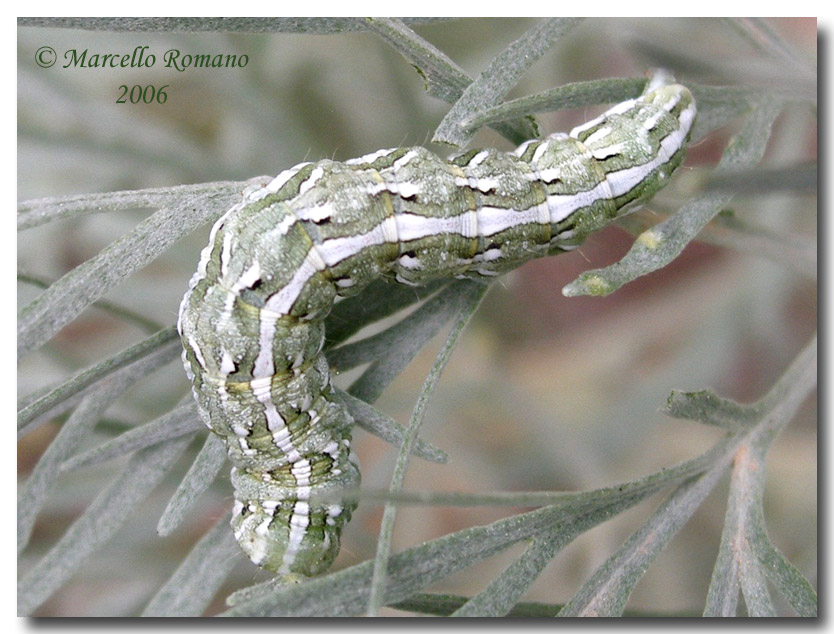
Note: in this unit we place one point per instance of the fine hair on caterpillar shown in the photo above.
(252, 321)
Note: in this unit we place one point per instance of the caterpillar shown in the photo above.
(252, 320)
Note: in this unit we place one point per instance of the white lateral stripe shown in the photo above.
(651, 122)
(492, 220)
(544, 213)
(225, 253)
(249, 277)
(479, 158)
(484, 222)
(264, 365)
(620, 108)
(337, 250)
(563, 205)
(414, 226)
(521, 149)
(625, 180)
(538, 153)
(205, 254)
(284, 225)
(282, 301)
(301, 470)
(195, 347)
(370, 158)
(599, 134)
(299, 522)
(390, 231)
(312, 179)
(404, 160)
(279, 181)
(470, 226)
(670, 104)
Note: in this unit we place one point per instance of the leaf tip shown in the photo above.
(588, 284)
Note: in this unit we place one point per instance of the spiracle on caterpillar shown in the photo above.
(252, 321)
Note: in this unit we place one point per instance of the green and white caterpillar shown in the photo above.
(252, 321)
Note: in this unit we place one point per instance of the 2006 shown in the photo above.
(143, 94)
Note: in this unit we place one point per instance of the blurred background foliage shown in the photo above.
(543, 392)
